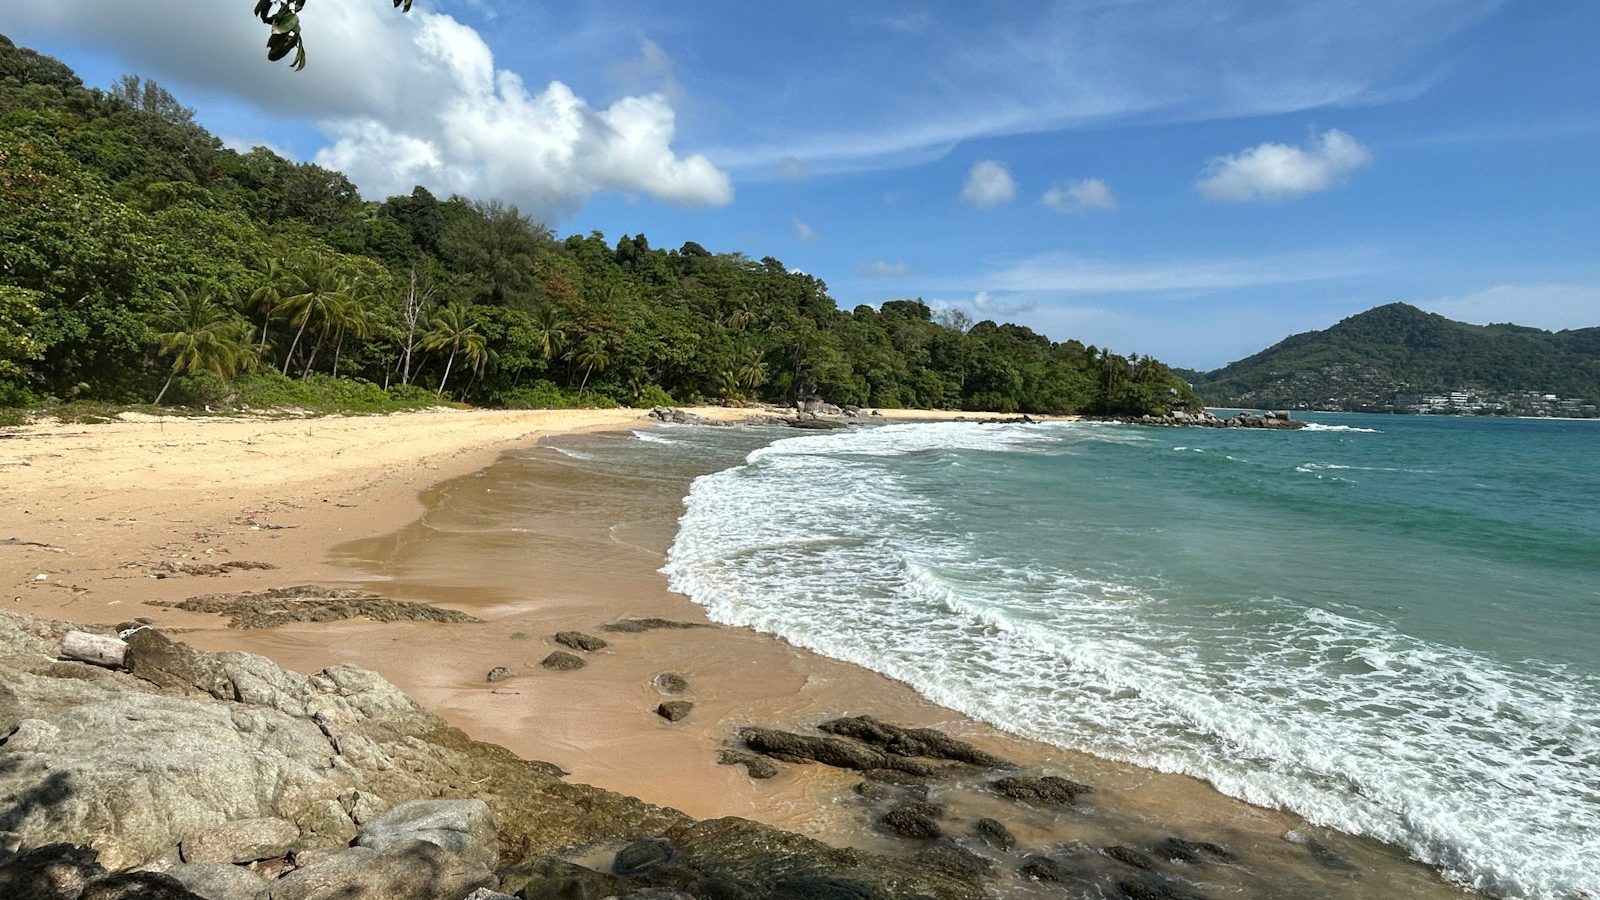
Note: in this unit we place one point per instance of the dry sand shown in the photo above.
(97, 509)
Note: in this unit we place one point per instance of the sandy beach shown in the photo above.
(95, 520)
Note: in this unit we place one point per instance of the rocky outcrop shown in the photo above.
(789, 747)
(639, 626)
(577, 640)
(1279, 420)
(305, 603)
(925, 742)
(224, 777)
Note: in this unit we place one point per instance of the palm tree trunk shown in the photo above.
(266, 320)
(313, 360)
(293, 346)
(448, 363)
(337, 346)
(164, 387)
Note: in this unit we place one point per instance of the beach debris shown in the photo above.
(499, 673)
(919, 821)
(994, 833)
(562, 661)
(1176, 849)
(925, 742)
(1049, 790)
(96, 649)
(305, 603)
(674, 710)
(639, 626)
(758, 767)
(577, 640)
(670, 683)
(168, 568)
(831, 751)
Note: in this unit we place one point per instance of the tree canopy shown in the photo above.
(112, 204)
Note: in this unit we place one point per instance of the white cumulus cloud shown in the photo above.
(1079, 196)
(989, 184)
(1550, 306)
(405, 100)
(803, 232)
(1280, 171)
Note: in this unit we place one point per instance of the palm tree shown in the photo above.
(201, 336)
(347, 314)
(592, 354)
(276, 284)
(451, 330)
(320, 289)
(752, 372)
(549, 330)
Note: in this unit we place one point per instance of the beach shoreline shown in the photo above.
(103, 511)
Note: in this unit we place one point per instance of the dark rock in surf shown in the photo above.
(1129, 857)
(841, 754)
(562, 661)
(924, 742)
(639, 626)
(918, 821)
(641, 857)
(675, 710)
(1043, 868)
(1151, 887)
(1176, 849)
(1048, 790)
(758, 767)
(994, 833)
(671, 683)
(577, 640)
(955, 859)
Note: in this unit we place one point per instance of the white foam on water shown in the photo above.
(575, 454)
(1492, 774)
(650, 437)
(1318, 426)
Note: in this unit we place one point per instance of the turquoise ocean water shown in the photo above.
(1390, 625)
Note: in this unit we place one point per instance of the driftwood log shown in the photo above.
(99, 649)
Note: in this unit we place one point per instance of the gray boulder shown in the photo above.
(240, 841)
(215, 881)
(463, 827)
(419, 870)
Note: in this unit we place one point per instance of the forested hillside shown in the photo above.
(140, 259)
(1363, 361)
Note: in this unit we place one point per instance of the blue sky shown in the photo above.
(1191, 179)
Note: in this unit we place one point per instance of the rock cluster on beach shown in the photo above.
(1279, 419)
(305, 603)
(181, 774)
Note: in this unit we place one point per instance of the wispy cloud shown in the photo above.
(883, 269)
(1059, 273)
(1550, 306)
(1280, 171)
(989, 184)
(803, 232)
(1080, 196)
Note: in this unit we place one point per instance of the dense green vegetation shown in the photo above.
(139, 259)
(1366, 359)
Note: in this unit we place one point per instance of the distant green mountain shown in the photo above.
(1365, 361)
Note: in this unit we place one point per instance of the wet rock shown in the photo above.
(994, 833)
(925, 742)
(240, 841)
(1049, 790)
(305, 603)
(1326, 856)
(642, 857)
(675, 710)
(220, 882)
(875, 791)
(836, 752)
(639, 626)
(813, 424)
(1129, 857)
(1176, 849)
(671, 683)
(679, 416)
(550, 878)
(757, 767)
(918, 821)
(462, 827)
(577, 640)
(955, 859)
(1043, 868)
(562, 661)
(499, 673)
(1154, 888)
